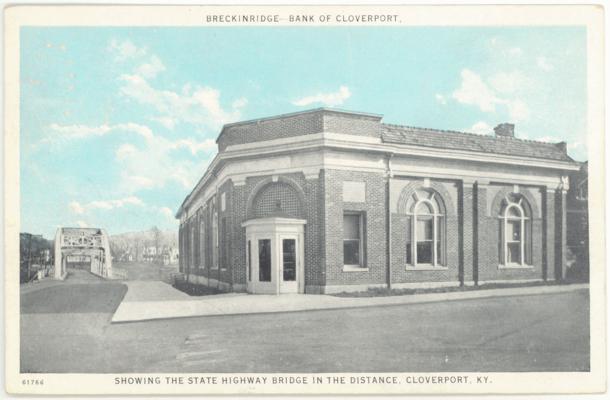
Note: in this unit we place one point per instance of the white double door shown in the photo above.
(275, 259)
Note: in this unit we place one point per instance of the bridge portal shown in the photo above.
(88, 247)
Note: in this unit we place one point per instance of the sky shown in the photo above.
(118, 124)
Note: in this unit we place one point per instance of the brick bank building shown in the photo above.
(326, 200)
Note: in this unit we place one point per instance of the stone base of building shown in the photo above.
(489, 282)
(334, 289)
(215, 283)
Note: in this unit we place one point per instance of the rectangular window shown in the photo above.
(289, 261)
(352, 240)
(425, 240)
(264, 260)
(513, 241)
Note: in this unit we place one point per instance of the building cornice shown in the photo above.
(353, 143)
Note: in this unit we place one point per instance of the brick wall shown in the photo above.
(352, 124)
(466, 214)
(300, 124)
(309, 210)
(560, 234)
(374, 210)
(296, 125)
(487, 260)
(448, 269)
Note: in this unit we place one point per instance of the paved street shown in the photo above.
(142, 271)
(72, 333)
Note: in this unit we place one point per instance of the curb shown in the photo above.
(322, 302)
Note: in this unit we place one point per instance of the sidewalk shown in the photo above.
(140, 303)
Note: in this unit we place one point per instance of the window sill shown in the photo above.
(354, 268)
(515, 266)
(424, 267)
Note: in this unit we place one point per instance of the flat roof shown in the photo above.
(285, 115)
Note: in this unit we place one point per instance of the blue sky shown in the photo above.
(117, 124)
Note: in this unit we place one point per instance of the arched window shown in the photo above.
(515, 232)
(425, 230)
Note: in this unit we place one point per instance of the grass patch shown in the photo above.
(193, 289)
(381, 292)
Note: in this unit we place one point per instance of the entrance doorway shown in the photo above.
(274, 255)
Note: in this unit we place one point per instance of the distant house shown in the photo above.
(326, 200)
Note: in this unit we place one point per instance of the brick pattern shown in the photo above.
(549, 235)
(467, 233)
(274, 195)
(449, 270)
(352, 124)
(560, 234)
(488, 250)
(374, 210)
(323, 120)
(238, 200)
(471, 247)
(290, 126)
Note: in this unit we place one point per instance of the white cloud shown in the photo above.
(544, 64)
(125, 50)
(328, 99)
(167, 122)
(193, 146)
(196, 105)
(77, 208)
(515, 51)
(239, 103)
(152, 165)
(518, 110)
(481, 128)
(125, 150)
(151, 69)
(474, 91)
(136, 182)
(441, 99)
(504, 82)
(82, 224)
(83, 131)
(167, 212)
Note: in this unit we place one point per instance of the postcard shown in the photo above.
(304, 200)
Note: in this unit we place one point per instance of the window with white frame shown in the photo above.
(515, 232)
(425, 230)
(353, 246)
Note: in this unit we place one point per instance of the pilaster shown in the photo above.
(466, 240)
(560, 233)
(548, 243)
(481, 257)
